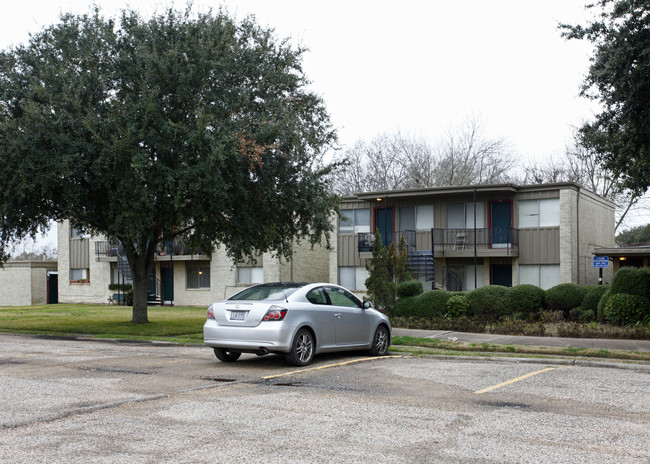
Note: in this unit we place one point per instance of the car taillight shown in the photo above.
(210, 312)
(275, 313)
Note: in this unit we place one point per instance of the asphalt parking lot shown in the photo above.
(69, 400)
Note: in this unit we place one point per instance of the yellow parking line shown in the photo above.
(327, 366)
(509, 382)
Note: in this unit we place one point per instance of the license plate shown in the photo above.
(237, 315)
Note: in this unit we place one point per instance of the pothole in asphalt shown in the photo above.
(218, 379)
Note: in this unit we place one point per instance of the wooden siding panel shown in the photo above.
(539, 246)
(538, 195)
(423, 240)
(347, 250)
(79, 253)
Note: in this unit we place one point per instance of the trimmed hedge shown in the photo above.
(457, 305)
(626, 309)
(404, 307)
(592, 297)
(600, 311)
(633, 281)
(564, 297)
(429, 304)
(489, 302)
(525, 299)
(409, 288)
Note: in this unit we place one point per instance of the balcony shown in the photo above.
(453, 242)
(493, 241)
(177, 251)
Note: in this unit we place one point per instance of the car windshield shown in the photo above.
(268, 292)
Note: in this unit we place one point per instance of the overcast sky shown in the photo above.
(421, 67)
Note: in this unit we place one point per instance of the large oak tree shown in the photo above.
(189, 124)
(619, 78)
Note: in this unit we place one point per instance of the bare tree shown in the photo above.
(398, 161)
(29, 249)
(468, 156)
(580, 165)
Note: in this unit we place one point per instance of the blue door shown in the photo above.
(500, 224)
(384, 223)
(167, 275)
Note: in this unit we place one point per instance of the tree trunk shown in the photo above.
(140, 299)
(140, 282)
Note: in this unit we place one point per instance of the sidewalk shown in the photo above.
(554, 342)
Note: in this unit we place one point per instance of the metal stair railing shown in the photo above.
(416, 257)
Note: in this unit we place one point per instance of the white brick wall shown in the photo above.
(24, 283)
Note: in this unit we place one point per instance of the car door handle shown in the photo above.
(337, 315)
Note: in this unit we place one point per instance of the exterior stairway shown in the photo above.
(421, 264)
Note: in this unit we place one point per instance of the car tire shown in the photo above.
(380, 342)
(226, 356)
(302, 349)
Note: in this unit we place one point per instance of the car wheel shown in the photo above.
(226, 356)
(302, 349)
(380, 341)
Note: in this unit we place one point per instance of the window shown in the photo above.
(416, 217)
(339, 297)
(354, 221)
(197, 275)
(353, 278)
(76, 233)
(539, 213)
(250, 275)
(460, 277)
(406, 218)
(424, 217)
(77, 275)
(544, 276)
(461, 215)
(317, 296)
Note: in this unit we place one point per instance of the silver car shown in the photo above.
(298, 320)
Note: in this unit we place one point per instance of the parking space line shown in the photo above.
(518, 379)
(327, 366)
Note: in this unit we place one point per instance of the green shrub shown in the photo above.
(457, 305)
(587, 315)
(525, 300)
(431, 304)
(404, 307)
(592, 297)
(409, 288)
(488, 302)
(632, 281)
(600, 311)
(582, 315)
(120, 287)
(564, 297)
(626, 309)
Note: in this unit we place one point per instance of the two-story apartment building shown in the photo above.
(182, 276)
(461, 238)
(458, 238)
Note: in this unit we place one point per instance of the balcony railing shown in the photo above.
(107, 248)
(176, 248)
(445, 240)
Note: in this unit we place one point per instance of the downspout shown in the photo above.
(578, 237)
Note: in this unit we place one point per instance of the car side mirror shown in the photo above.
(367, 305)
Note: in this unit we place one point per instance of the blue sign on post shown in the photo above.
(601, 261)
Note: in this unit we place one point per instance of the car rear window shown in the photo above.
(265, 293)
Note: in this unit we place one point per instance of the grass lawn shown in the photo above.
(185, 325)
(173, 324)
